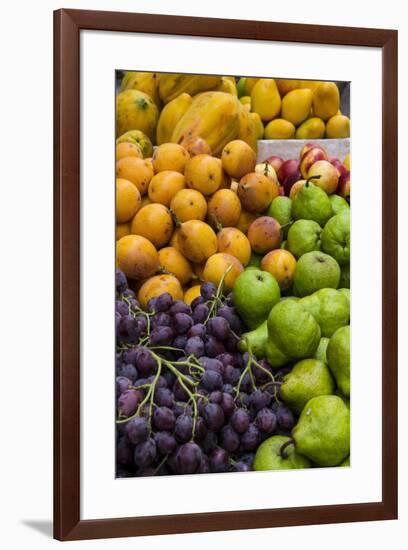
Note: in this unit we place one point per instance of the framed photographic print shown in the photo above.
(219, 289)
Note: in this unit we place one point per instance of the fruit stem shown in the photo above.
(282, 450)
(311, 178)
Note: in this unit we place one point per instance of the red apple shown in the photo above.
(288, 173)
(328, 175)
(275, 162)
(310, 157)
(343, 187)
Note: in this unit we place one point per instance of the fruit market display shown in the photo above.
(232, 280)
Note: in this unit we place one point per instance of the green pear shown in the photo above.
(345, 276)
(338, 358)
(311, 203)
(336, 237)
(308, 378)
(303, 236)
(345, 463)
(338, 203)
(329, 307)
(258, 342)
(271, 455)
(315, 270)
(322, 433)
(281, 209)
(255, 294)
(293, 330)
(321, 350)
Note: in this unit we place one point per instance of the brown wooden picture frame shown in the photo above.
(67, 27)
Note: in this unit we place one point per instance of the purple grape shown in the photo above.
(259, 400)
(219, 327)
(129, 371)
(208, 291)
(200, 429)
(266, 421)
(161, 320)
(124, 452)
(161, 336)
(120, 281)
(219, 461)
(241, 467)
(122, 307)
(204, 467)
(118, 319)
(210, 363)
(180, 393)
(151, 305)
(182, 408)
(128, 293)
(228, 388)
(165, 442)
(260, 375)
(243, 399)
(200, 313)
(240, 420)
(163, 302)
(213, 347)
(122, 384)
(137, 430)
(128, 401)
(250, 438)
(180, 341)
(209, 442)
(231, 316)
(182, 323)
(285, 417)
(145, 362)
(227, 404)
(215, 396)
(231, 375)
(194, 346)
(188, 458)
(161, 382)
(198, 330)
(246, 384)
(180, 307)
(211, 380)
(213, 416)
(145, 453)
(231, 344)
(197, 301)
(227, 359)
(229, 439)
(169, 377)
(164, 419)
(128, 330)
(183, 429)
(164, 397)
(141, 324)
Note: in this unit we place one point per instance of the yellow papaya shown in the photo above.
(285, 86)
(170, 115)
(338, 126)
(172, 85)
(213, 117)
(259, 127)
(136, 110)
(279, 128)
(265, 99)
(137, 138)
(227, 85)
(144, 82)
(247, 128)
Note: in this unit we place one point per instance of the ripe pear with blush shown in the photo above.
(310, 157)
(329, 176)
(343, 187)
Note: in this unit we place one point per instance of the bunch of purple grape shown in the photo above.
(187, 400)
